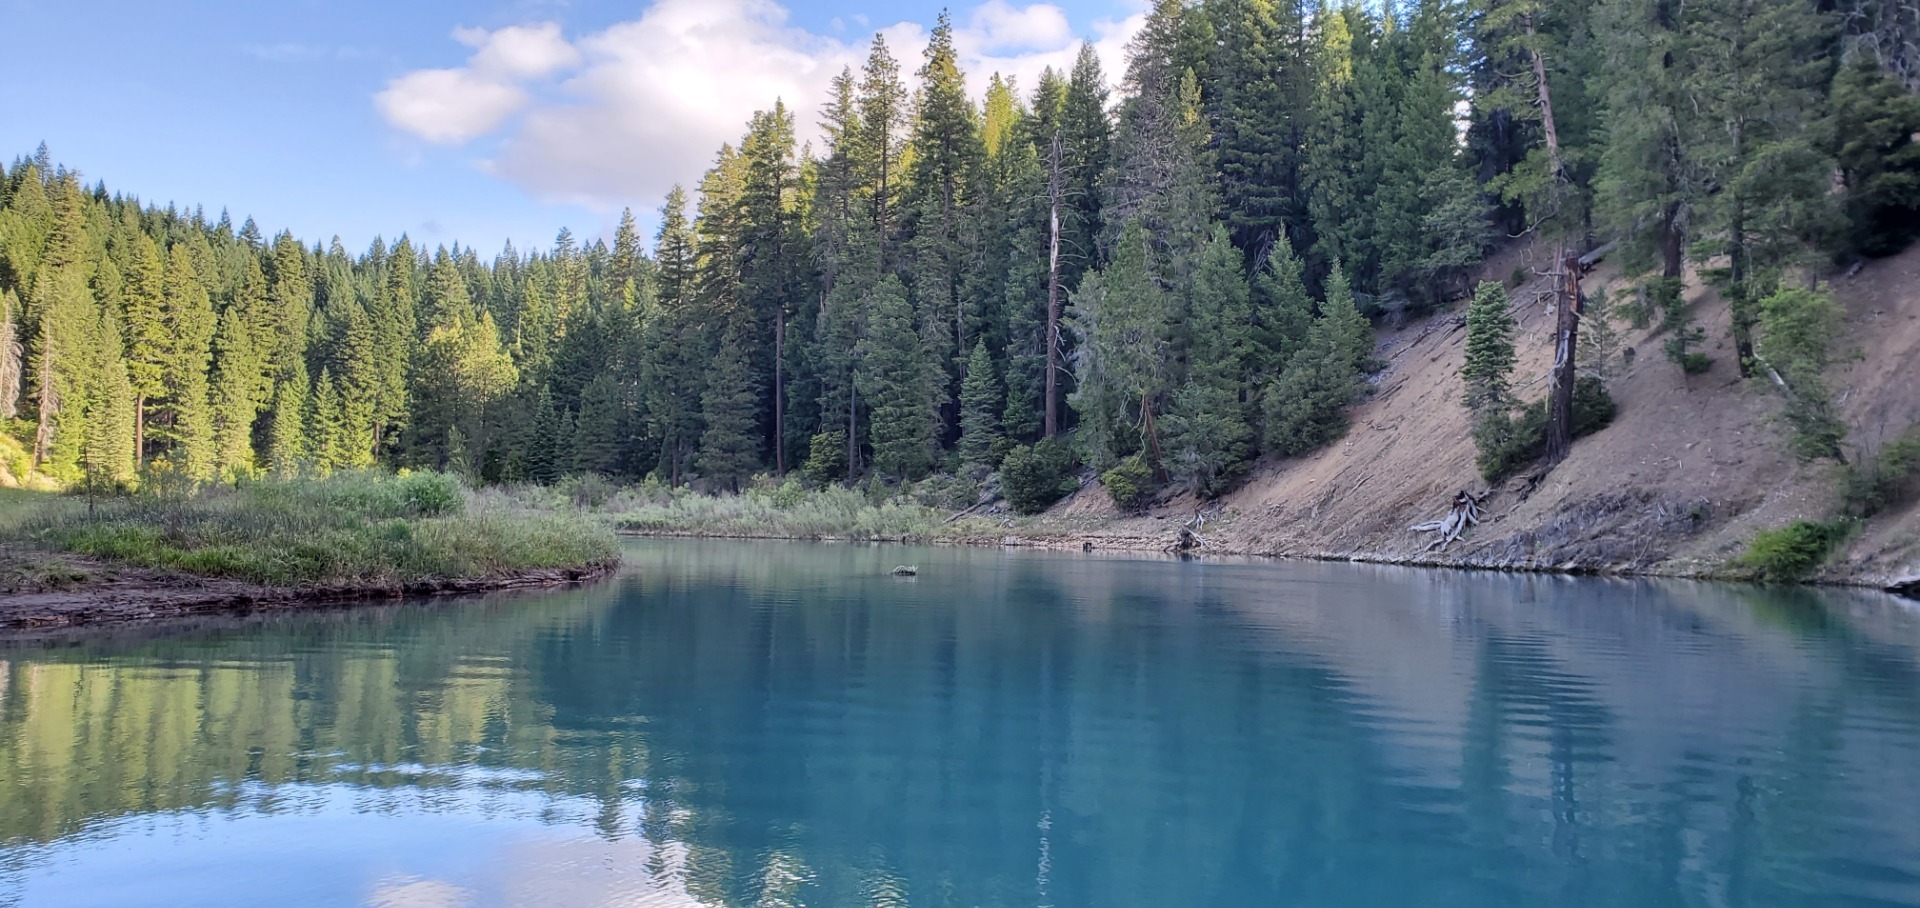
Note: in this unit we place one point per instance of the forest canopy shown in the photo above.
(1176, 266)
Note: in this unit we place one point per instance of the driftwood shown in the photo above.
(1190, 538)
(1464, 515)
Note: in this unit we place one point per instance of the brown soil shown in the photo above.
(42, 591)
(1689, 470)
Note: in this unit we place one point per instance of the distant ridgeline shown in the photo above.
(1182, 278)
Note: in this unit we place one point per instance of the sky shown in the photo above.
(480, 122)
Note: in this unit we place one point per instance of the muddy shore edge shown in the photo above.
(1093, 540)
(91, 593)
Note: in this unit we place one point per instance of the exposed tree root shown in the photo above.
(1464, 515)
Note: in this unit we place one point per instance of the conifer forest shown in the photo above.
(1163, 274)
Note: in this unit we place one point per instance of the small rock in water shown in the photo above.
(906, 570)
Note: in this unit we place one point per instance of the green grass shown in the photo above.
(786, 511)
(349, 529)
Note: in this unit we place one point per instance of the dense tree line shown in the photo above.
(1180, 272)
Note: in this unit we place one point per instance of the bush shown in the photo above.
(1508, 443)
(1889, 480)
(1130, 484)
(1793, 552)
(1036, 477)
(789, 495)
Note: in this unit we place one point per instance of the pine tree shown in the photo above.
(1086, 140)
(1490, 356)
(1307, 407)
(882, 101)
(980, 403)
(145, 305)
(324, 441)
(1123, 320)
(943, 183)
(1282, 314)
(184, 421)
(730, 444)
(1257, 100)
(675, 342)
(287, 446)
(893, 376)
(109, 455)
(1874, 124)
(234, 392)
(1209, 440)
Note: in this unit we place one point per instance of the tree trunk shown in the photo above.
(1053, 290)
(140, 431)
(1567, 306)
(779, 390)
(853, 434)
(1673, 242)
(49, 404)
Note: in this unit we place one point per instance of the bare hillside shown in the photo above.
(1688, 471)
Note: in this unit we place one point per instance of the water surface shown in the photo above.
(784, 724)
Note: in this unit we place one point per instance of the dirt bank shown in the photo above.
(42, 591)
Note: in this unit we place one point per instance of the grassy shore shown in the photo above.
(784, 511)
(346, 530)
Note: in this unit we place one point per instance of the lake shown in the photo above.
(764, 724)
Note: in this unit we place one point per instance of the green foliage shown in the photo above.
(980, 403)
(1875, 120)
(1130, 484)
(1791, 553)
(1798, 328)
(1890, 479)
(1209, 437)
(1490, 356)
(1036, 476)
(1508, 442)
(826, 459)
(895, 285)
(1306, 408)
(893, 376)
(729, 448)
(349, 529)
(1683, 334)
(834, 512)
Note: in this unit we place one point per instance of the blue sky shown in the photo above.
(477, 122)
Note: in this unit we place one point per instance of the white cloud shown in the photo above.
(998, 25)
(449, 105)
(521, 51)
(618, 116)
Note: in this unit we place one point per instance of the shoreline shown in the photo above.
(1908, 588)
(117, 596)
(122, 596)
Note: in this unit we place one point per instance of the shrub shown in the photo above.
(789, 495)
(1036, 477)
(1793, 552)
(1130, 484)
(1508, 443)
(1887, 481)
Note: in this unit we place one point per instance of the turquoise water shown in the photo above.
(785, 724)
